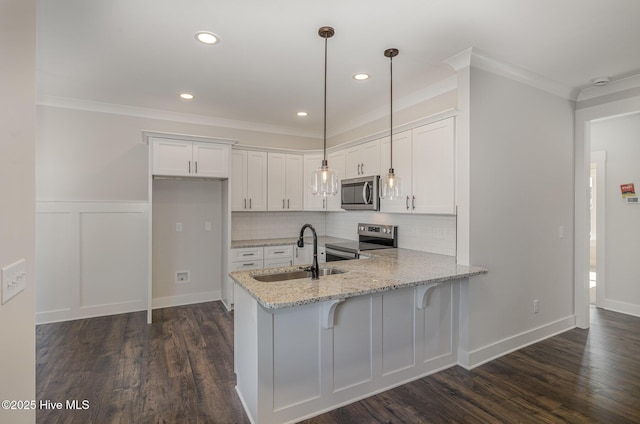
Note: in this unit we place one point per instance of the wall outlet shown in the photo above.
(13, 279)
(536, 306)
(207, 225)
(178, 226)
(182, 277)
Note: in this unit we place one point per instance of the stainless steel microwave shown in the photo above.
(360, 193)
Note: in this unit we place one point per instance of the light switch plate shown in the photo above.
(13, 279)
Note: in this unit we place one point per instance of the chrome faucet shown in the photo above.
(314, 268)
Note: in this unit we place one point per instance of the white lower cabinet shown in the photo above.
(278, 256)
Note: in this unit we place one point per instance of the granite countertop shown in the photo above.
(322, 240)
(387, 269)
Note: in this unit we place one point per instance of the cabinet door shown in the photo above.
(434, 168)
(171, 157)
(402, 166)
(336, 161)
(256, 181)
(353, 162)
(238, 181)
(311, 202)
(294, 176)
(276, 194)
(370, 158)
(210, 160)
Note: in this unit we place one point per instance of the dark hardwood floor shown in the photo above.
(180, 370)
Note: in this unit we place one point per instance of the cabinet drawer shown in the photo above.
(247, 265)
(246, 254)
(278, 263)
(278, 252)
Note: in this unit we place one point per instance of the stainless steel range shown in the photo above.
(370, 237)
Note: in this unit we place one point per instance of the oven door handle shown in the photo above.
(341, 254)
(365, 193)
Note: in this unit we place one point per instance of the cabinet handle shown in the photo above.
(249, 203)
(279, 251)
(413, 202)
(407, 202)
(248, 254)
(296, 252)
(245, 203)
(189, 167)
(196, 163)
(247, 264)
(362, 169)
(323, 203)
(288, 204)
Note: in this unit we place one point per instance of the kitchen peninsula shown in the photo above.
(303, 347)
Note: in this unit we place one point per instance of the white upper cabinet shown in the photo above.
(248, 180)
(311, 202)
(402, 165)
(424, 158)
(284, 182)
(363, 160)
(183, 158)
(336, 161)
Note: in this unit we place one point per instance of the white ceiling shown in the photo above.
(269, 63)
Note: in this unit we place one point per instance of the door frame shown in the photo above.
(583, 118)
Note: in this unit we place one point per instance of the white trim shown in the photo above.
(582, 162)
(91, 106)
(600, 159)
(185, 299)
(472, 57)
(470, 360)
(434, 90)
(616, 86)
(146, 135)
(619, 306)
(83, 312)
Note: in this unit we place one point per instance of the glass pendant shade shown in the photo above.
(324, 181)
(391, 187)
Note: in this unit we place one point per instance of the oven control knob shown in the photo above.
(361, 228)
(384, 230)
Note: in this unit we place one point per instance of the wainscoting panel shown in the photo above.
(91, 259)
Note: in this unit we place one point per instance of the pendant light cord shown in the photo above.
(391, 112)
(325, 99)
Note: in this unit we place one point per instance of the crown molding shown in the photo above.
(472, 57)
(429, 92)
(615, 86)
(91, 106)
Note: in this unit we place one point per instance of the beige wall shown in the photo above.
(17, 214)
(84, 155)
(418, 111)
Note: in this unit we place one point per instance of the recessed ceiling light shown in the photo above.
(207, 37)
(361, 77)
(186, 96)
(302, 113)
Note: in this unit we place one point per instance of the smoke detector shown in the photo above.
(600, 81)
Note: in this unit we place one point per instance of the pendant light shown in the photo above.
(391, 187)
(325, 180)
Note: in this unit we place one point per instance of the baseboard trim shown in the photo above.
(185, 299)
(621, 307)
(472, 359)
(70, 314)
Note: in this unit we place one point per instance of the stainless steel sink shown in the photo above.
(293, 275)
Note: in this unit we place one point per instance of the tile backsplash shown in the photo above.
(428, 233)
(262, 225)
